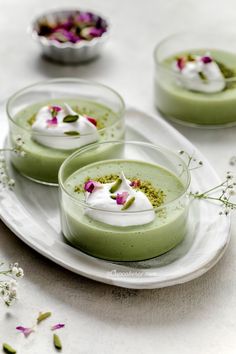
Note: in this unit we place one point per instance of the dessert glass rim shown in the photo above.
(83, 43)
(120, 113)
(160, 65)
(133, 142)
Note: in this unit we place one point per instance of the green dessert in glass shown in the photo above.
(52, 128)
(124, 209)
(195, 85)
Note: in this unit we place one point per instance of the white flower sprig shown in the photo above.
(5, 180)
(226, 190)
(192, 162)
(8, 282)
(221, 193)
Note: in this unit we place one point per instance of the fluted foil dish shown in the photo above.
(68, 52)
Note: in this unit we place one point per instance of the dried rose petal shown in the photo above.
(96, 32)
(57, 326)
(206, 59)
(92, 120)
(91, 185)
(25, 330)
(135, 183)
(121, 198)
(181, 63)
(55, 108)
(52, 121)
(64, 35)
(67, 25)
(84, 17)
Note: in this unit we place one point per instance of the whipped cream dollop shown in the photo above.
(199, 73)
(118, 207)
(62, 128)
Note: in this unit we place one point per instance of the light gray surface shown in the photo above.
(197, 317)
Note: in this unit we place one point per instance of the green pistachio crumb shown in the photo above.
(190, 57)
(31, 120)
(77, 189)
(113, 196)
(57, 342)
(100, 124)
(128, 204)
(116, 185)
(226, 72)
(43, 316)
(8, 349)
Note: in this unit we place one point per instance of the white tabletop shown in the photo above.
(197, 317)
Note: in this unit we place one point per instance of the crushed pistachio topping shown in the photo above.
(155, 195)
(227, 73)
(31, 120)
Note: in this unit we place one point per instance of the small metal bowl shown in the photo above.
(67, 52)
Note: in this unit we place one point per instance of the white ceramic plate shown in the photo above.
(31, 212)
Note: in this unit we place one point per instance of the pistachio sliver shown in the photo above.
(128, 204)
(31, 120)
(43, 316)
(113, 196)
(70, 118)
(8, 349)
(72, 133)
(202, 76)
(116, 185)
(57, 342)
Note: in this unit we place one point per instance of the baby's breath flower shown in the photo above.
(221, 193)
(191, 162)
(9, 291)
(5, 180)
(8, 287)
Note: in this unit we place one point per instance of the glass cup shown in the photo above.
(103, 233)
(182, 105)
(41, 163)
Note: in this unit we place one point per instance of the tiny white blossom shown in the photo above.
(11, 182)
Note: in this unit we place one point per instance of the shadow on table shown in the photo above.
(89, 70)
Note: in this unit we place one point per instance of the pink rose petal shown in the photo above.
(57, 326)
(56, 108)
(206, 59)
(52, 121)
(136, 183)
(91, 185)
(92, 120)
(121, 198)
(181, 63)
(25, 330)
